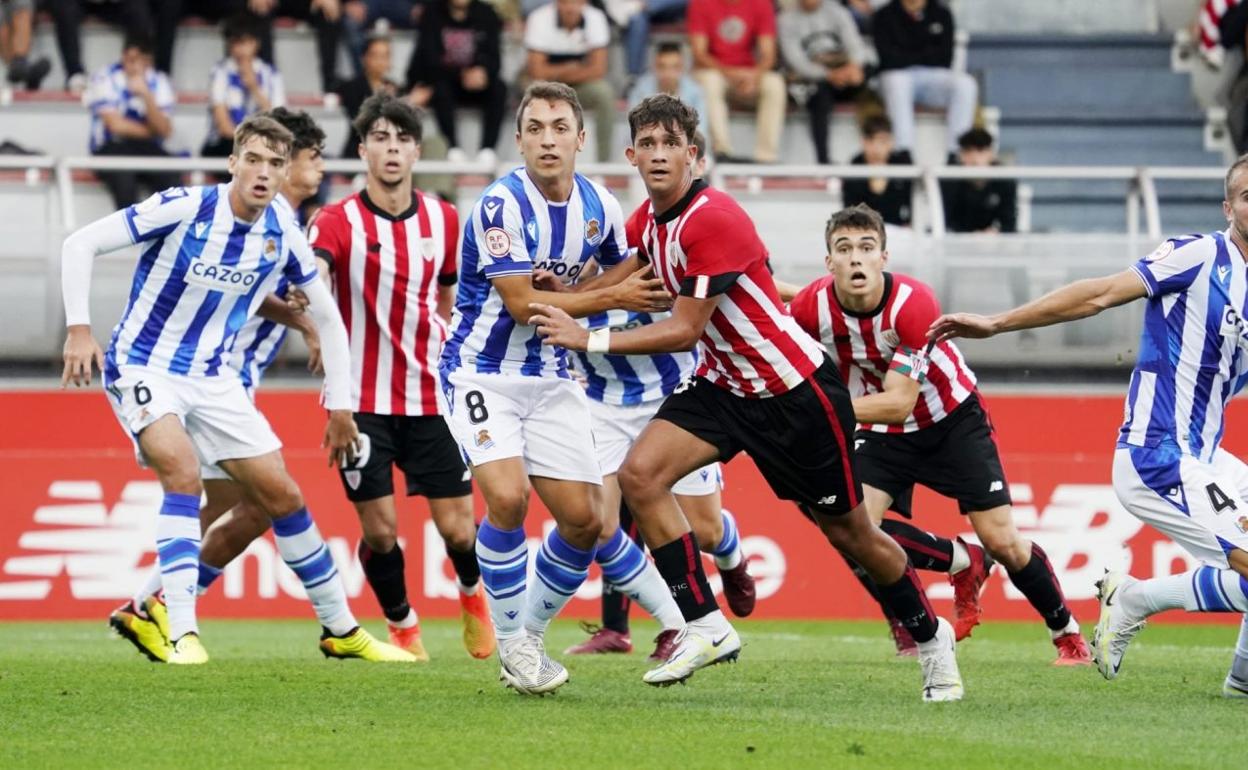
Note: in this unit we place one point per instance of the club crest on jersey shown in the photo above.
(593, 232)
(1242, 524)
(270, 247)
(221, 277)
(483, 440)
(497, 242)
(428, 248)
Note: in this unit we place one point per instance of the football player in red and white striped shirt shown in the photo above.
(762, 387)
(922, 421)
(390, 251)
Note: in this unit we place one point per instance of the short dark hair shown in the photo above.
(669, 46)
(307, 135)
(550, 91)
(276, 136)
(240, 26)
(876, 124)
(859, 217)
(393, 110)
(699, 142)
(975, 139)
(372, 40)
(140, 39)
(666, 111)
(1240, 164)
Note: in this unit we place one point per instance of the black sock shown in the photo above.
(615, 605)
(1040, 586)
(385, 575)
(868, 584)
(908, 603)
(926, 551)
(467, 568)
(680, 564)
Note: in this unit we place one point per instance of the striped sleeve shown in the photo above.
(499, 236)
(160, 214)
(1174, 265)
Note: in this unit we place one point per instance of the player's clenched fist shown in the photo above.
(642, 292)
(80, 351)
(342, 437)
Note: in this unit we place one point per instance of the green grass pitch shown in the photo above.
(805, 694)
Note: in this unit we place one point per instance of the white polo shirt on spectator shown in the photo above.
(543, 34)
(109, 90)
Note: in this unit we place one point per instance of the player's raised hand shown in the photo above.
(80, 352)
(968, 325)
(342, 437)
(641, 292)
(545, 280)
(556, 327)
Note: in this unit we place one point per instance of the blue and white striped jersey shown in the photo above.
(109, 90)
(225, 88)
(259, 341)
(513, 230)
(201, 275)
(1193, 346)
(631, 380)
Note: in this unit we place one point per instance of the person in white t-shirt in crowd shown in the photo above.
(567, 43)
(242, 84)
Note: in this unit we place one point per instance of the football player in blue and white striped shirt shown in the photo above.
(517, 415)
(1169, 467)
(209, 256)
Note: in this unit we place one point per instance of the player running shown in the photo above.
(210, 256)
(518, 416)
(624, 393)
(763, 387)
(1169, 467)
(922, 421)
(143, 619)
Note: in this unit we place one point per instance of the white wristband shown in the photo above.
(599, 341)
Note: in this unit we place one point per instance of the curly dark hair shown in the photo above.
(307, 134)
(666, 111)
(394, 110)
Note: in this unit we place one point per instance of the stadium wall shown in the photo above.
(77, 533)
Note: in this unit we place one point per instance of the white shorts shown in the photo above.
(1198, 505)
(214, 472)
(617, 427)
(221, 420)
(543, 420)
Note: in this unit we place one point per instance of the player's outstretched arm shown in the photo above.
(544, 279)
(77, 260)
(341, 433)
(636, 292)
(1080, 299)
(678, 332)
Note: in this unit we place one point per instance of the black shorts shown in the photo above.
(956, 457)
(800, 440)
(422, 447)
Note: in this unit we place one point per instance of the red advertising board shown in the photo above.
(77, 533)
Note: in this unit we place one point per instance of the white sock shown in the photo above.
(1072, 627)
(467, 590)
(1204, 589)
(304, 551)
(1239, 666)
(1148, 597)
(650, 591)
(407, 622)
(961, 558)
(150, 586)
(713, 625)
(177, 547)
(727, 553)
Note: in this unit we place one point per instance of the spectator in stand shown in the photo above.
(567, 42)
(890, 197)
(823, 50)
(914, 39)
(130, 105)
(374, 79)
(364, 18)
(734, 57)
(241, 85)
(155, 19)
(456, 63)
(863, 11)
(325, 17)
(668, 75)
(979, 205)
(635, 18)
(16, 20)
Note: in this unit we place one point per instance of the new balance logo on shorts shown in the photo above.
(996, 486)
(829, 500)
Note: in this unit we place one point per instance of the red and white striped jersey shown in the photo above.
(893, 337)
(706, 246)
(387, 270)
